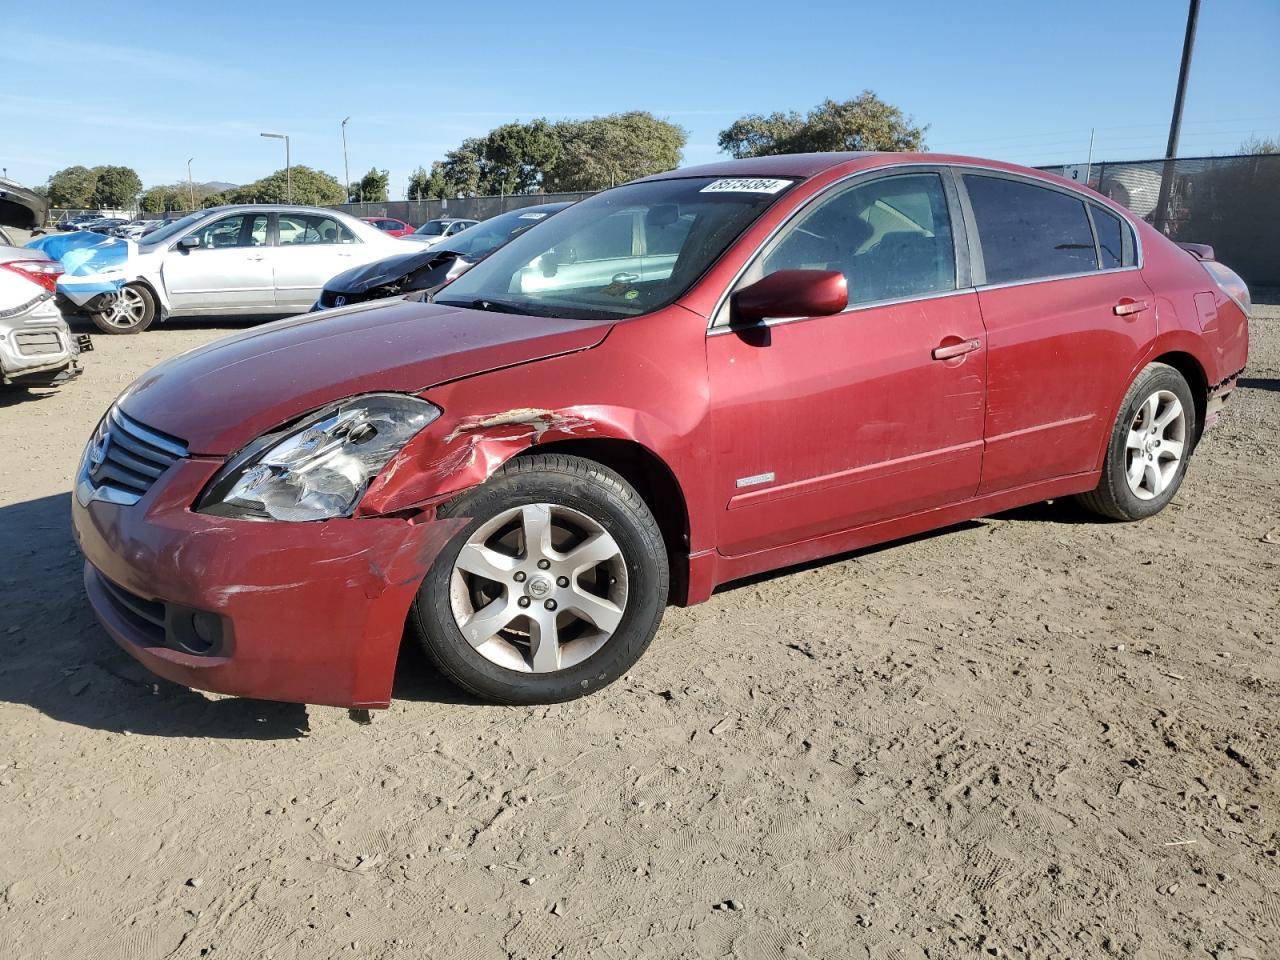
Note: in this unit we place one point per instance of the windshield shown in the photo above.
(432, 228)
(164, 233)
(619, 254)
(486, 237)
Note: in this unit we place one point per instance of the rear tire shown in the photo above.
(528, 617)
(131, 310)
(1150, 447)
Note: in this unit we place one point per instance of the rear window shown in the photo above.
(1110, 237)
(1029, 232)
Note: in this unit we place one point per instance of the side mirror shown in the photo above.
(791, 293)
(189, 242)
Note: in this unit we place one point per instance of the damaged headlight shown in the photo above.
(318, 468)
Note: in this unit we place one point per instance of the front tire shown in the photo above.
(131, 310)
(1150, 447)
(553, 589)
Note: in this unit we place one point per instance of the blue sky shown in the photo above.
(151, 84)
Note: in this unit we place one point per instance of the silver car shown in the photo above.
(442, 228)
(235, 260)
(37, 349)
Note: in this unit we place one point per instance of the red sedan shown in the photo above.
(390, 225)
(676, 383)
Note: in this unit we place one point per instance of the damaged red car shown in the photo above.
(676, 383)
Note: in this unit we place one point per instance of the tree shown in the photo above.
(72, 187)
(117, 188)
(310, 186)
(1257, 146)
(864, 123)
(515, 157)
(175, 196)
(605, 151)
(420, 184)
(372, 187)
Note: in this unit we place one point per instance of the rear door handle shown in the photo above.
(953, 350)
(1129, 306)
(256, 257)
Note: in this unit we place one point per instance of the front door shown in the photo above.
(229, 271)
(824, 424)
(1067, 312)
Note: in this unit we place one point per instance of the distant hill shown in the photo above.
(217, 186)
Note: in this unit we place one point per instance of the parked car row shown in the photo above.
(673, 384)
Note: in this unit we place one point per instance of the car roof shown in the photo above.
(276, 208)
(782, 165)
(805, 165)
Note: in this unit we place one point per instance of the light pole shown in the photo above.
(191, 187)
(288, 164)
(346, 169)
(1175, 125)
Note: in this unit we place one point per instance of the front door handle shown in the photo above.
(953, 350)
(1128, 306)
(255, 258)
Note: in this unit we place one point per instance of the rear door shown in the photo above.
(311, 248)
(228, 272)
(823, 424)
(1067, 316)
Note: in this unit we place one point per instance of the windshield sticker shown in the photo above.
(531, 216)
(746, 185)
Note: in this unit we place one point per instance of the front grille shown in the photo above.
(147, 617)
(125, 458)
(35, 343)
(329, 299)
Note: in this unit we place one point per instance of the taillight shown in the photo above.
(43, 272)
(1230, 283)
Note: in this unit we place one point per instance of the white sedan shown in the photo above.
(252, 259)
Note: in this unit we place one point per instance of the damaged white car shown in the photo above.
(258, 259)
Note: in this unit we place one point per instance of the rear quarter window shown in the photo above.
(1028, 232)
(1111, 239)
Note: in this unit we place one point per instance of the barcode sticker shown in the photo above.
(746, 185)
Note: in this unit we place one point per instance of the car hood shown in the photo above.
(219, 397)
(362, 279)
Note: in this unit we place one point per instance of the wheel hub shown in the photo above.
(538, 588)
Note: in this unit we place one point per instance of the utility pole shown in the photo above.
(1175, 125)
(288, 164)
(346, 169)
(191, 187)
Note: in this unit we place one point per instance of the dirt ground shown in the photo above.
(1032, 736)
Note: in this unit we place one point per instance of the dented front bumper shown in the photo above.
(307, 612)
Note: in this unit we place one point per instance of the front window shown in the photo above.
(240, 230)
(432, 228)
(890, 237)
(621, 253)
(171, 230)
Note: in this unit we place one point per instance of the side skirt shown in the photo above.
(709, 569)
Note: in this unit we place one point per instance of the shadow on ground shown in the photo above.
(55, 657)
(1260, 383)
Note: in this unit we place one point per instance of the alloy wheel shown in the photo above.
(539, 588)
(1155, 445)
(124, 309)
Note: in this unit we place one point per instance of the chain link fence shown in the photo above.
(419, 212)
(1230, 203)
